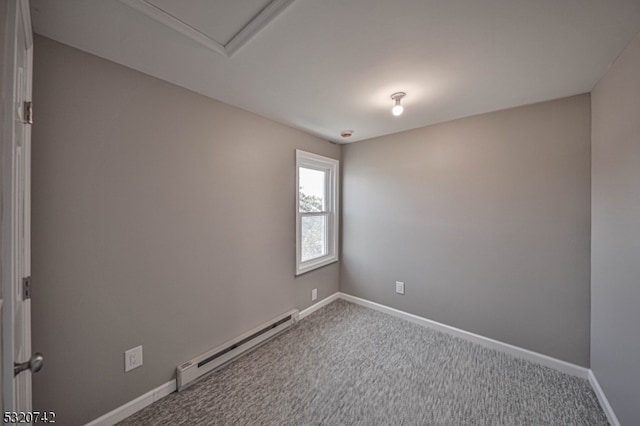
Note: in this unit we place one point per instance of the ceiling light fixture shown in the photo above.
(397, 108)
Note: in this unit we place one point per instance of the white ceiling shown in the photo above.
(324, 66)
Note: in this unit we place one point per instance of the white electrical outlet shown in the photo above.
(399, 287)
(314, 294)
(132, 358)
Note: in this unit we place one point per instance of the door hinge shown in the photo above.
(28, 112)
(26, 288)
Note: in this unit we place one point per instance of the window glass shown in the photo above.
(312, 190)
(314, 237)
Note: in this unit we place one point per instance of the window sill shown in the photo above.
(312, 265)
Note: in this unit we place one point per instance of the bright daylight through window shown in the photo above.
(316, 211)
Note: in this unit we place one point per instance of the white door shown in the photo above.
(17, 53)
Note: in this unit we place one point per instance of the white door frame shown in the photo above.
(15, 230)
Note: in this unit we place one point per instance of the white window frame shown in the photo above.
(331, 167)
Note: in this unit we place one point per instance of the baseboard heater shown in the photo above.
(194, 370)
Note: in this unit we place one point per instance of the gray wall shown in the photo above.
(160, 218)
(615, 245)
(487, 221)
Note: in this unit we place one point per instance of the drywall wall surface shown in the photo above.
(161, 218)
(485, 219)
(615, 244)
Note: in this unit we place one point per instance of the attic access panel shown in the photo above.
(223, 26)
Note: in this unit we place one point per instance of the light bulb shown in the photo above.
(397, 108)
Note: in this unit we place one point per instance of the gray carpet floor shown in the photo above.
(350, 365)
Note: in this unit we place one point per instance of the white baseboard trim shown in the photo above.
(604, 402)
(132, 407)
(324, 302)
(556, 364)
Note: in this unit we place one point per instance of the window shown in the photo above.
(316, 211)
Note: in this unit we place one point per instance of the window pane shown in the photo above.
(314, 237)
(312, 190)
